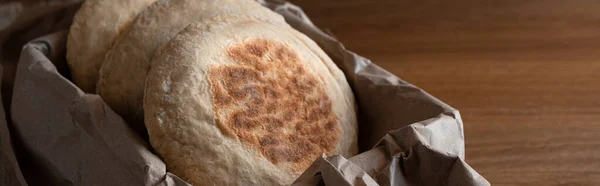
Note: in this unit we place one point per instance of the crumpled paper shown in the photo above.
(10, 172)
(67, 137)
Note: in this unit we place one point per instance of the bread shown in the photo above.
(122, 76)
(240, 101)
(96, 25)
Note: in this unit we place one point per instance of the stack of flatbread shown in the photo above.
(226, 92)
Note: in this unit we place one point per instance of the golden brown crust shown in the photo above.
(123, 74)
(191, 136)
(269, 101)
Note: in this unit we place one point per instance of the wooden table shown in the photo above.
(524, 74)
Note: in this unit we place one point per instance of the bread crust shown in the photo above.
(123, 73)
(96, 26)
(246, 102)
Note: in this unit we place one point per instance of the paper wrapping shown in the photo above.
(10, 172)
(67, 137)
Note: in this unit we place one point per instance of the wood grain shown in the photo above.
(523, 73)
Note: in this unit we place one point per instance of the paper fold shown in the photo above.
(75, 136)
(10, 171)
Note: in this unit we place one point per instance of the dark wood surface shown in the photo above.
(524, 74)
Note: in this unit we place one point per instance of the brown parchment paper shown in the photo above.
(73, 137)
(10, 172)
(67, 137)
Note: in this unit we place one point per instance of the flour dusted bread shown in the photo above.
(123, 73)
(244, 102)
(95, 27)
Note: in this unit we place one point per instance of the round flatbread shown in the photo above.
(123, 73)
(244, 102)
(96, 25)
